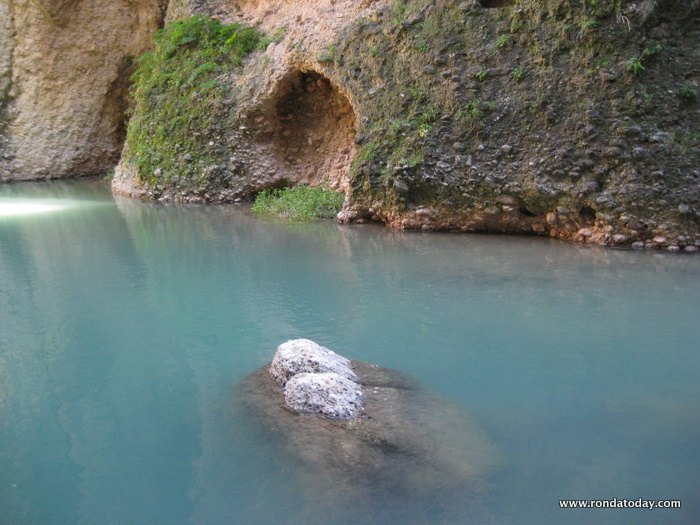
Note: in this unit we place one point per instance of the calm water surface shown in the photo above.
(125, 327)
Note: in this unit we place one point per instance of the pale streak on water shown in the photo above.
(124, 328)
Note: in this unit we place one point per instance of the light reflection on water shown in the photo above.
(12, 209)
(125, 328)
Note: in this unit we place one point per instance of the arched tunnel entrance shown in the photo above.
(310, 130)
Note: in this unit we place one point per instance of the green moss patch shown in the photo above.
(179, 94)
(300, 203)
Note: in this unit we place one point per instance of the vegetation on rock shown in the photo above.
(179, 91)
(300, 203)
(503, 116)
(558, 118)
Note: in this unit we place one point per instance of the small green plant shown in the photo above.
(472, 114)
(586, 26)
(647, 96)
(429, 30)
(399, 9)
(502, 41)
(481, 75)
(473, 109)
(368, 151)
(635, 66)
(330, 54)
(422, 46)
(686, 142)
(518, 73)
(516, 23)
(652, 50)
(415, 158)
(687, 93)
(300, 203)
(276, 36)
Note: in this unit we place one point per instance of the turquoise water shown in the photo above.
(125, 327)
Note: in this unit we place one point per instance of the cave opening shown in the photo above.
(311, 131)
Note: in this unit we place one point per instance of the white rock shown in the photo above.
(328, 394)
(303, 355)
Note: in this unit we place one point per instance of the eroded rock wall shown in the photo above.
(554, 118)
(64, 72)
(6, 46)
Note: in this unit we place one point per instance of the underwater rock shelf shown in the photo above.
(362, 422)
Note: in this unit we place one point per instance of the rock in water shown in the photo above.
(328, 394)
(303, 355)
(316, 380)
(378, 434)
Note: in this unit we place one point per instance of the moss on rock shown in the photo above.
(181, 90)
(523, 117)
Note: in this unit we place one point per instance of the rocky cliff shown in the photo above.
(564, 119)
(64, 73)
(574, 120)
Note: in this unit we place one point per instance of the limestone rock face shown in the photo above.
(64, 78)
(329, 394)
(305, 356)
(488, 140)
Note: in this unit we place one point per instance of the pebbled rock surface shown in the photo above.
(303, 355)
(328, 394)
(437, 115)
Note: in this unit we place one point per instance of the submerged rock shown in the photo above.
(399, 437)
